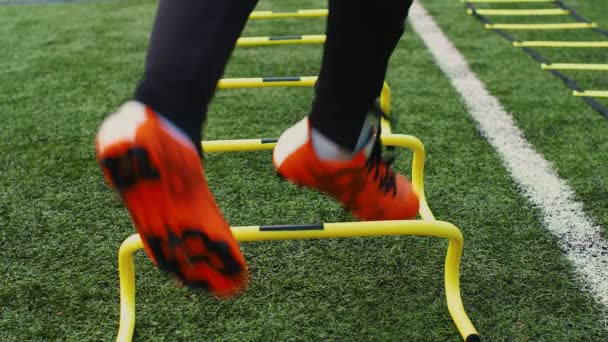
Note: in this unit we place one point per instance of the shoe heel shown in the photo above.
(127, 169)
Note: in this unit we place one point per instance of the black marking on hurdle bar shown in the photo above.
(570, 83)
(285, 38)
(269, 140)
(281, 79)
(291, 228)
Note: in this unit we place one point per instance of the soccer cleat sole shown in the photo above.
(124, 172)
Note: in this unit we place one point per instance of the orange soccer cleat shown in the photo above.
(157, 171)
(367, 186)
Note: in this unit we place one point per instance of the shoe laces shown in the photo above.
(387, 181)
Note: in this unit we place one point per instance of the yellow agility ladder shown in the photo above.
(555, 68)
(426, 226)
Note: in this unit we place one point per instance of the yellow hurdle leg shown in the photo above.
(126, 270)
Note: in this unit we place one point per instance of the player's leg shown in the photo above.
(336, 148)
(149, 149)
(189, 47)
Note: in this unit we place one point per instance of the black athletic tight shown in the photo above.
(193, 39)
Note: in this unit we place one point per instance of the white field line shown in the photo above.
(579, 238)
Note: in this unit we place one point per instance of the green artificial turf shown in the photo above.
(65, 66)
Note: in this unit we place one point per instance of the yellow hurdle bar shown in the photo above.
(307, 81)
(503, 1)
(306, 13)
(560, 44)
(574, 66)
(560, 26)
(591, 93)
(519, 12)
(428, 226)
(281, 40)
(266, 82)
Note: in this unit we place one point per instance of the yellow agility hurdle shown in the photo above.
(281, 40)
(591, 93)
(304, 13)
(560, 44)
(306, 81)
(574, 66)
(559, 26)
(427, 226)
(519, 12)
